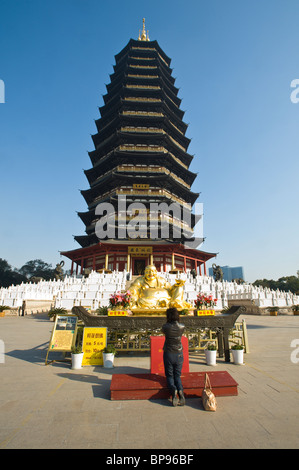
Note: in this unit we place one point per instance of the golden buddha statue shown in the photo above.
(154, 292)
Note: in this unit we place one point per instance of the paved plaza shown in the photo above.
(55, 407)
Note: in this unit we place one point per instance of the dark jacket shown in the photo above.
(173, 333)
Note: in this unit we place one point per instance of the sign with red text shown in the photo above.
(94, 341)
(205, 312)
(117, 313)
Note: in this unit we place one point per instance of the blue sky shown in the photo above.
(233, 61)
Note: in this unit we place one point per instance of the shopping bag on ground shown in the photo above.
(208, 398)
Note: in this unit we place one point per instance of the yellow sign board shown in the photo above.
(205, 312)
(94, 341)
(141, 186)
(140, 250)
(117, 313)
(64, 333)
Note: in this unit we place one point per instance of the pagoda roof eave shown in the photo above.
(118, 99)
(123, 79)
(135, 158)
(136, 43)
(109, 245)
(115, 179)
(109, 111)
(118, 159)
(118, 121)
(132, 61)
(123, 138)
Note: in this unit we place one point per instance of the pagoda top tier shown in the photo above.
(143, 42)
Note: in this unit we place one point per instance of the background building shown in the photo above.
(230, 273)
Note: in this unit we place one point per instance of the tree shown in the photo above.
(9, 276)
(287, 283)
(37, 268)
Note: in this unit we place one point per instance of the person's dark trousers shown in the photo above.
(173, 363)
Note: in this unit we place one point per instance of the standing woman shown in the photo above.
(173, 355)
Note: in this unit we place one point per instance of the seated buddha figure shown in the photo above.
(153, 291)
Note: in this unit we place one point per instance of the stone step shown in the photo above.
(153, 386)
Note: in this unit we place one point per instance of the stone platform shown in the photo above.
(55, 407)
(153, 386)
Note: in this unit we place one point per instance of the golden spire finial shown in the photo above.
(144, 36)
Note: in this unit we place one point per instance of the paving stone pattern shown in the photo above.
(55, 407)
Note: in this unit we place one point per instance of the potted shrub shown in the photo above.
(2, 310)
(184, 311)
(211, 354)
(295, 309)
(56, 311)
(102, 311)
(108, 356)
(77, 356)
(273, 311)
(238, 353)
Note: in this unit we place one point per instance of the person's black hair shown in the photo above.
(172, 314)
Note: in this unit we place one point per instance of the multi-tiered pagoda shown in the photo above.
(140, 157)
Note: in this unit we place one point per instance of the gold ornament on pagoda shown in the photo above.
(144, 35)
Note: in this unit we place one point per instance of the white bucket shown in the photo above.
(211, 357)
(77, 361)
(108, 360)
(238, 356)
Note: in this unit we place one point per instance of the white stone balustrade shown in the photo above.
(95, 291)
